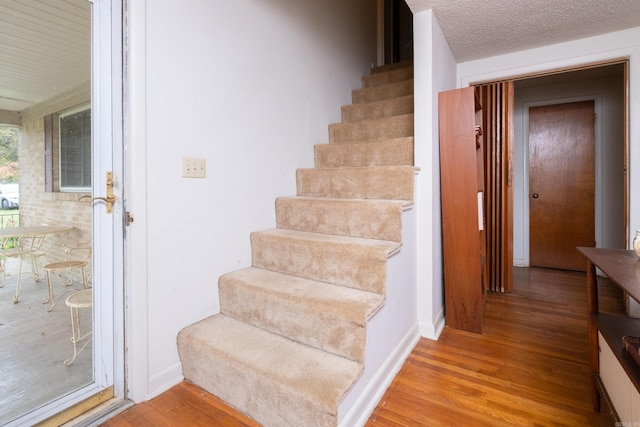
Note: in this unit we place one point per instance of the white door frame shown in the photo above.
(108, 261)
(108, 268)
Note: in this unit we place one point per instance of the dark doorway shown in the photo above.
(398, 32)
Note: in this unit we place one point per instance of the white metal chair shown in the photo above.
(8, 250)
(78, 257)
(32, 249)
(79, 338)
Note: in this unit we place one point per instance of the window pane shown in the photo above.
(75, 150)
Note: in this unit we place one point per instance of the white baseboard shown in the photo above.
(164, 380)
(373, 392)
(433, 330)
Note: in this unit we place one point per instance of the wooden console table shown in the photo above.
(623, 269)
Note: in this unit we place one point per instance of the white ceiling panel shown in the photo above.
(45, 49)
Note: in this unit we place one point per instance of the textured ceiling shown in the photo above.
(477, 29)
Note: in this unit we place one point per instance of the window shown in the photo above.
(75, 150)
(68, 150)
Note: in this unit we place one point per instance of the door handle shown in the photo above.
(110, 199)
(534, 195)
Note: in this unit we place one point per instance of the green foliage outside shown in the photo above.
(6, 216)
(9, 136)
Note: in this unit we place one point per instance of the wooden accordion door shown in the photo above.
(497, 135)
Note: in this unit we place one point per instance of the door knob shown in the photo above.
(110, 199)
(534, 195)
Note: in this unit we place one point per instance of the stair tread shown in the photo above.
(388, 152)
(396, 75)
(368, 218)
(385, 248)
(371, 110)
(402, 203)
(391, 67)
(379, 129)
(355, 305)
(383, 91)
(369, 182)
(309, 373)
(368, 122)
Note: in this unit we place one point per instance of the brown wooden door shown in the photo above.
(561, 184)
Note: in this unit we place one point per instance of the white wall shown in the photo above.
(608, 95)
(612, 46)
(249, 86)
(434, 72)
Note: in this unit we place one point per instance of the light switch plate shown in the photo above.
(193, 167)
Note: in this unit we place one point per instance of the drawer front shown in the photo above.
(623, 394)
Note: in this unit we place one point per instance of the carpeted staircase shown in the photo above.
(290, 340)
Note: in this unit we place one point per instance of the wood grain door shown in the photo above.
(561, 184)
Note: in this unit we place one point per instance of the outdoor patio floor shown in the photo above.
(35, 343)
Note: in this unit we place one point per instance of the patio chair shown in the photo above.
(8, 249)
(78, 257)
(32, 249)
(79, 338)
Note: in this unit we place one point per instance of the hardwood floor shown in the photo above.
(529, 368)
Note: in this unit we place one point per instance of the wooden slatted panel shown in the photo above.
(497, 103)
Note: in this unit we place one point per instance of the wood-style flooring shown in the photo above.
(528, 368)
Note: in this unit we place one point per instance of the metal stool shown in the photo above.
(76, 301)
(57, 267)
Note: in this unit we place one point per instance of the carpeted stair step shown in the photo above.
(274, 380)
(377, 109)
(390, 76)
(398, 151)
(391, 67)
(322, 315)
(369, 219)
(345, 261)
(372, 130)
(385, 91)
(381, 182)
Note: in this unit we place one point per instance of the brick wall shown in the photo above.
(35, 203)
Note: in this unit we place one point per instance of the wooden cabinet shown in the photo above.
(462, 185)
(623, 269)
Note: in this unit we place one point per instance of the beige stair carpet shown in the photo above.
(290, 339)
(366, 218)
(323, 315)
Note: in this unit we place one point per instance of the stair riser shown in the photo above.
(288, 317)
(225, 379)
(393, 76)
(386, 153)
(394, 183)
(266, 394)
(353, 266)
(369, 220)
(378, 93)
(372, 130)
(376, 110)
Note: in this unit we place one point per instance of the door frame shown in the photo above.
(108, 248)
(108, 102)
(597, 107)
